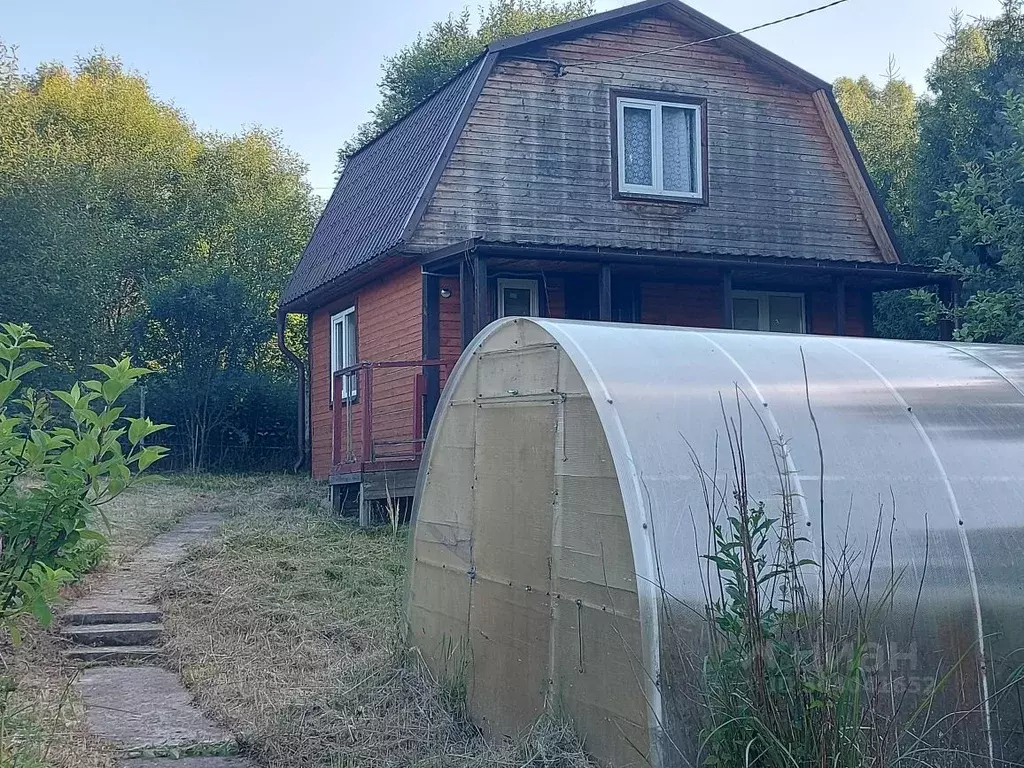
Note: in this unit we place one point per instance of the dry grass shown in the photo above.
(145, 510)
(287, 629)
(44, 718)
(43, 722)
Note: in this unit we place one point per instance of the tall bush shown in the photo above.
(63, 455)
(207, 332)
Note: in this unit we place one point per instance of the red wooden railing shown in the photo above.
(355, 444)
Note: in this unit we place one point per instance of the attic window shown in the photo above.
(660, 149)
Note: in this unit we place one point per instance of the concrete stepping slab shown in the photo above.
(112, 654)
(115, 634)
(80, 619)
(187, 762)
(138, 709)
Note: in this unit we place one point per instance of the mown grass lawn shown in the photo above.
(287, 628)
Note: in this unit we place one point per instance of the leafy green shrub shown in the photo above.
(57, 470)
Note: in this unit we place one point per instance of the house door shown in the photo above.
(518, 298)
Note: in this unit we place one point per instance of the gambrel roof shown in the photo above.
(385, 187)
(372, 204)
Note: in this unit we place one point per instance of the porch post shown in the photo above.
(431, 348)
(946, 293)
(604, 298)
(466, 302)
(481, 295)
(839, 288)
(727, 319)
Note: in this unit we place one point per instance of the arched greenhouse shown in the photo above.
(566, 559)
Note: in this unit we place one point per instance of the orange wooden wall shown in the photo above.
(389, 318)
(389, 327)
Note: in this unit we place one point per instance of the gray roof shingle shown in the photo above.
(379, 190)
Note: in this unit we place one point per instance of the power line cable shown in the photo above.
(562, 68)
(693, 43)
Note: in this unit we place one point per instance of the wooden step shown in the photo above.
(114, 634)
(112, 654)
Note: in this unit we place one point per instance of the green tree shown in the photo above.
(89, 163)
(105, 191)
(971, 167)
(204, 330)
(884, 124)
(953, 128)
(988, 211)
(946, 166)
(419, 69)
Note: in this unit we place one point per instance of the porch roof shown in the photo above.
(874, 276)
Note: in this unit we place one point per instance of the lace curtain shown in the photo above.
(637, 141)
(678, 129)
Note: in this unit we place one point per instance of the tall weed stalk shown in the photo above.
(791, 673)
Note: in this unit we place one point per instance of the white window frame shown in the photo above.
(531, 285)
(657, 159)
(764, 321)
(340, 324)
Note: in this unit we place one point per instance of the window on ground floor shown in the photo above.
(343, 350)
(768, 311)
(518, 298)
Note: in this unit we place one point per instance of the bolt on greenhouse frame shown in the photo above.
(576, 472)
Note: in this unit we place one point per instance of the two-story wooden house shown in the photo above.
(642, 165)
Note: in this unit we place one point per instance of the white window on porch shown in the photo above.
(343, 350)
(766, 311)
(518, 298)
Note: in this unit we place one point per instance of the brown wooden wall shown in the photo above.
(389, 327)
(534, 163)
(321, 414)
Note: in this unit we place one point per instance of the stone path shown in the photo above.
(142, 710)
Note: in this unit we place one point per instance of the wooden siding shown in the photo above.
(823, 317)
(534, 162)
(321, 420)
(389, 327)
(554, 292)
(700, 306)
(697, 306)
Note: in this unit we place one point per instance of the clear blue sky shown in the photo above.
(310, 67)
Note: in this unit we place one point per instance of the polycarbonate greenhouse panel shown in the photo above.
(904, 456)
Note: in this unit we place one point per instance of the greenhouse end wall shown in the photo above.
(523, 578)
(905, 451)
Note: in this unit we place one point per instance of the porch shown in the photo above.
(381, 411)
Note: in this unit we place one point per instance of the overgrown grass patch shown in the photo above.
(41, 716)
(288, 630)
